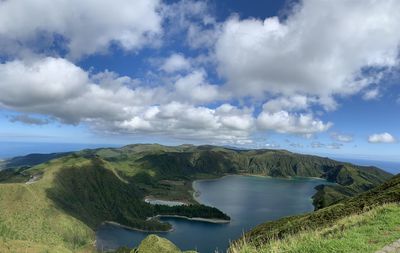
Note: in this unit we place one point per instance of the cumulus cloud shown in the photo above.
(225, 123)
(381, 138)
(61, 90)
(194, 87)
(176, 62)
(41, 82)
(285, 122)
(313, 52)
(289, 66)
(297, 102)
(86, 27)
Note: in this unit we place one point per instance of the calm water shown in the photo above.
(249, 201)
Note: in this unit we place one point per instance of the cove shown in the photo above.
(248, 200)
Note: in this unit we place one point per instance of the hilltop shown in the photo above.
(58, 200)
(364, 223)
(152, 166)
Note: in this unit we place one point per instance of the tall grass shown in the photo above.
(366, 232)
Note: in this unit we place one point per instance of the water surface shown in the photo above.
(248, 200)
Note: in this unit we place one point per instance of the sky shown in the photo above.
(310, 76)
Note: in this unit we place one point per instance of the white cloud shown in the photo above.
(371, 94)
(297, 102)
(176, 62)
(41, 82)
(291, 66)
(381, 138)
(110, 103)
(60, 89)
(320, 50)
(194, 87)
(226, 123)
(87, 26)
(342, 137)
(285, 122)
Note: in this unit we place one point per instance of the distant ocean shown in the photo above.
(13, 149)
(391, 167)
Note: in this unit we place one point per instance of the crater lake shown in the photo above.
(248, 200)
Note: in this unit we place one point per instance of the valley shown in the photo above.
(89, 187)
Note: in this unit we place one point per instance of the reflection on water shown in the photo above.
(248, 200)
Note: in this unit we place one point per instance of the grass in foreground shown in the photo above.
(362, 233)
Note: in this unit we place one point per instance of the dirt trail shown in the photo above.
(33, 179)
(392, 248)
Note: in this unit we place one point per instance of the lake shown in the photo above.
(248, 200)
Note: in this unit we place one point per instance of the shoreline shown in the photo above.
(215, 221)
(151, 200)
(196, 194)
(113, 223)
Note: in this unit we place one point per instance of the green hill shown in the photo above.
(71, 197)
(368, 218)
(152, 166)
(152, 244)
(61, 201)
(360, 233)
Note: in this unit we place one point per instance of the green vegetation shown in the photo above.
(153, 167)
(152, 244)
(31, 222)
(362, 233)
(151, 164)
(68, 197)
(350, 181)
(307, 226)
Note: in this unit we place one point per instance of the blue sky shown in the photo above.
(308, 76)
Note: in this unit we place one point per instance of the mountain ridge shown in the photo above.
(109, 184)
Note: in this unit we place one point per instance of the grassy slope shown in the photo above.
(153, 163)
(31, 222)
(350, 182)
(79, 191)
(361, 233)
(152, 167)
(262, 235)
(154, 244)
(73, 196)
